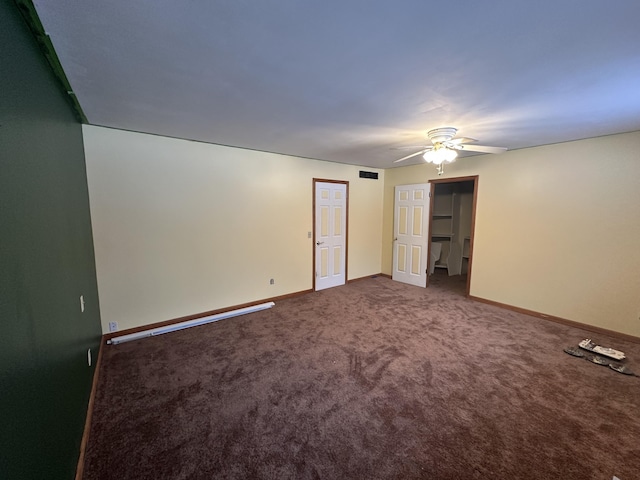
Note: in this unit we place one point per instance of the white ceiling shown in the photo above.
(349, 80)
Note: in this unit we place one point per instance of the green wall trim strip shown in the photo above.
(28, 11)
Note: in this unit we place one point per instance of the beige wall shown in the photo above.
(557, 228)
(183, 227)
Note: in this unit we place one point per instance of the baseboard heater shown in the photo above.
(189, 323)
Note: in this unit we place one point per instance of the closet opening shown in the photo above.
(451, 226)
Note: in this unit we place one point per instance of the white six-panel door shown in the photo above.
(411, 234)
(330, 234)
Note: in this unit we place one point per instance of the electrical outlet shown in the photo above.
(81, 303)
(113, 326)
(272, 282)
(89, 357)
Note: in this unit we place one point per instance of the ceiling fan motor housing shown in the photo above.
(439, 135)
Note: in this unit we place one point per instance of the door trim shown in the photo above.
(474, 179)
(313, 232)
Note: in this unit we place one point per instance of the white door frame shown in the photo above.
(315, 235)
(474, 179)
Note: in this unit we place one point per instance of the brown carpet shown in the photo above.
(372, 380)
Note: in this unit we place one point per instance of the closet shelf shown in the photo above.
(445, 227)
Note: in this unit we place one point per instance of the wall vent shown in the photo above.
(372, 175)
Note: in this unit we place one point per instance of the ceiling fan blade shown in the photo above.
(480, 148)
(413, 155)
(410, 147)
(459, 140)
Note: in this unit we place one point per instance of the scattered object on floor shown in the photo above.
(622, 369)
(575, 351)
(436, 251)
(598, 360)
(590, 346)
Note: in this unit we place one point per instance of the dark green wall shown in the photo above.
(46, 263)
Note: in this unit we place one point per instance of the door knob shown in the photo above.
(319, 242)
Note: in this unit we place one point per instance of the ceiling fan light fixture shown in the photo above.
(445, 147)
(438, 156)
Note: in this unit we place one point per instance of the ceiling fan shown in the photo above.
(445, 148)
